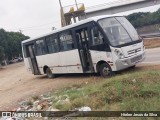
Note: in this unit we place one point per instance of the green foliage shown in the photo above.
(10, 44)
(142, 19)
(1, 53)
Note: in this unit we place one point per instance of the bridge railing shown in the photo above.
(74, 8)
(111, 4)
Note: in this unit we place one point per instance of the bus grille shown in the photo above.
(134, 51)
(133, 60)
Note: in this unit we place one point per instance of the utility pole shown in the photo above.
(77, 7)
(63, 21)
(60, 4)
(76, 4)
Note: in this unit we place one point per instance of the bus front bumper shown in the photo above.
(129, 62)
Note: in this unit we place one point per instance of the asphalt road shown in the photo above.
(152, 56)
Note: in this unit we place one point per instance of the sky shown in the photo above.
(37, 17)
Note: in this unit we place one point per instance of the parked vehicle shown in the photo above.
(16, 59)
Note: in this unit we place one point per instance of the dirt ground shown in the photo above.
(151, 42)
(16, 84)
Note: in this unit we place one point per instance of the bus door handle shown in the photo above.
(82, 56)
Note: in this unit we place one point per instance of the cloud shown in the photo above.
(26, 13)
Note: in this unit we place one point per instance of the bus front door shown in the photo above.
(33, 61)
(82, 40)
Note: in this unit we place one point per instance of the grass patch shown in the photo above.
(29, 103)
(129, 91)
(35, 97)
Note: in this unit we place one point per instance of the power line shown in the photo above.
(37, 26)
(33, 27)
(39, 29)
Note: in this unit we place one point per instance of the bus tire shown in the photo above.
(132, 67)
(49, 73)
(105, 70)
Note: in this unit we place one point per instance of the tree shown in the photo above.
(10, 44)
(142, 19)
(15, 39)
(1, 54)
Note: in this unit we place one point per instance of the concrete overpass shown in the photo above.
(118, 7)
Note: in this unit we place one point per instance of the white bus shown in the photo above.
(101, 44)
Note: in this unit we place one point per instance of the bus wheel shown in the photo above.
(49, 73)
(132, 66)
(105, 70)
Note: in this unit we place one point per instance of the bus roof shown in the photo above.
(71, 26)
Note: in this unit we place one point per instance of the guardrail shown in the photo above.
(151, 35)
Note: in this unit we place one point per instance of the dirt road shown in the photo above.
(16, 84)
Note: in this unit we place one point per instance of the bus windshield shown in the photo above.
(118, 30)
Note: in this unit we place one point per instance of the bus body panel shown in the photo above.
(71, 61)
(61, 62)
(127, 62)
(28, 65)
(131, 50)
(130, 58)
(98, 56)
(47, 60)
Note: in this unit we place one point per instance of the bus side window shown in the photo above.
(40, 47)
(26, 51)
(66, 41)
(97, 37)
(52, 44)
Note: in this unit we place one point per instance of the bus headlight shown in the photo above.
(119, 54)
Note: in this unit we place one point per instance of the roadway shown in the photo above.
(152, 56)
(150, 35)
